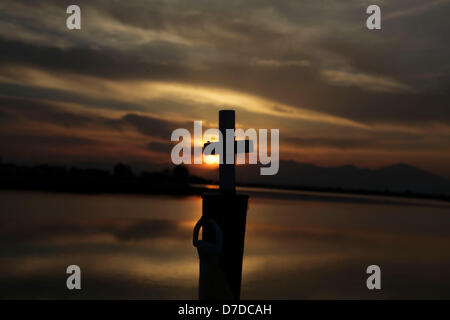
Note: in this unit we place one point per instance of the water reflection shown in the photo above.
(140, 247)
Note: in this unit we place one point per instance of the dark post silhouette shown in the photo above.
(223, 222)
(227, 179)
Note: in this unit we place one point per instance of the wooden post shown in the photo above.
(227, 212)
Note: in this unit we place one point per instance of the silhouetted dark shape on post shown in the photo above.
(223, 222)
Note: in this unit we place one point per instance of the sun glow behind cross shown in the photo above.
(211, 160)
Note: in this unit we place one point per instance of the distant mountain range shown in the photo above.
(395, 178)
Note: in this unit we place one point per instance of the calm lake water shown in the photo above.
(299, 245)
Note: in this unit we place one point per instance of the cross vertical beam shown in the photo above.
(224, 215)
(227, 174)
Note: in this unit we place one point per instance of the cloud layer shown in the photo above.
(339, 92)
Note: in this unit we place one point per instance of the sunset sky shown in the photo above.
(114, 90)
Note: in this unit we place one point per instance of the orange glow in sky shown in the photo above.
(211, 159)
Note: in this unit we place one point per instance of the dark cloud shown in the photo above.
(43, 142)
(154, 127)
(99, 62)
(42, 111)
(338, 143)
(160, 147)
(30, 92)
(373, 141)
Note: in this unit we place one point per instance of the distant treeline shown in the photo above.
(173, 181)
(176, 181)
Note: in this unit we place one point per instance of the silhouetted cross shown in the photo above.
(227, 175)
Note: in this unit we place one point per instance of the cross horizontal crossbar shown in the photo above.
(248, 146)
